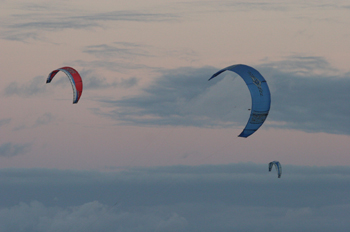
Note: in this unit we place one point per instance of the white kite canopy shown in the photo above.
(278, 167)
(260, 93)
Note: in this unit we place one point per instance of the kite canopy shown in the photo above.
(260, 94)
(74, 78)
(278, 167)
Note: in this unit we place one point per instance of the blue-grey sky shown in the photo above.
(152, 134)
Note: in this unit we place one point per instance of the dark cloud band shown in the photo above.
(178, 198)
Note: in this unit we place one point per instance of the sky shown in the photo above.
(152, 144)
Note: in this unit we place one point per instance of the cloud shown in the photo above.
(91, 80)
(44, 119)
(21, 36)
(225, 5)
(4, 121)
(272, 5)
(115, 66)
(179, 97)
(91, 216)
(9, 149)
(117, 49)
(243, 196)
(121, 56)
(58, 15)
(34, 87)
(36, 20)
(308, 94)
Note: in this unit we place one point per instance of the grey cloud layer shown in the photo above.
(10, 149)
(307, 94)
(179, 198)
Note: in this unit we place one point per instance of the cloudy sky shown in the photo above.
(152, 145)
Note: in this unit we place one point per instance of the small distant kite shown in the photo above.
(260, 94)
(278, 167)
(75, 79)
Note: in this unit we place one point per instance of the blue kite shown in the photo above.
(260, 94)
